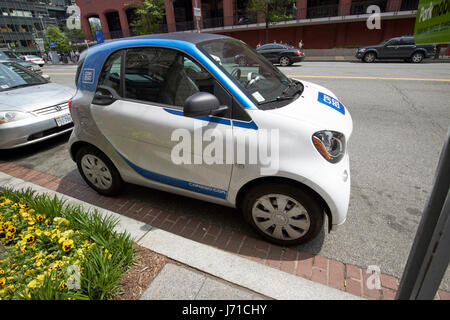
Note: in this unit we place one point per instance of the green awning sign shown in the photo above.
(432, 22)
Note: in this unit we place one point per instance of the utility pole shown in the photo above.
(197, 15)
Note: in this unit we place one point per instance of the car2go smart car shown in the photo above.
(133, 94)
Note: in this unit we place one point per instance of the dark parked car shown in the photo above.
(6, 54)
(283, 54)
(397, 48)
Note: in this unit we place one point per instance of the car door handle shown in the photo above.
(104, 96)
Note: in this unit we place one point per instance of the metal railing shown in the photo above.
(361, 7)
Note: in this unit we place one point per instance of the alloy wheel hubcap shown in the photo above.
(281, 217)
(284, 61)
(96, 171)
(416, 58)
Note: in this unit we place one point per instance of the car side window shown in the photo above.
(393, 42)
(163, 76)
(110, 75)
(407, 41)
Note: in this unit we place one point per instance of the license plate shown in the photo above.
(64, 119)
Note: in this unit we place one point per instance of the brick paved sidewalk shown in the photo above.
(345, 277)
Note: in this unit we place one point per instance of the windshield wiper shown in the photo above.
(279, 98)
(291, 85)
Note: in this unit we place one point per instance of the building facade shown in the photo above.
(24, 21)
(318, 23)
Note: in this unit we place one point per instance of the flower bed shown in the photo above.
(55, 251)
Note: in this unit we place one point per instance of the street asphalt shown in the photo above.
(400, 122)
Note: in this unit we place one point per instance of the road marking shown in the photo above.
(60, 73)
(309, 76)
(370, 78)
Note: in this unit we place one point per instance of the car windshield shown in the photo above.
(258, 78)
(14, 76)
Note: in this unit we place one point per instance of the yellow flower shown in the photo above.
(48, 222)
(39, 217)
(67, 245)
(31, 211)
(11, 229)
(62, 239)
(9, 236)
(56, 265)
(33, 284)
(6, 225)
(62, 285)
(29, 238)
(2, 271)
(38, 232)
(47, 233)
(2, 282)
(60, 220)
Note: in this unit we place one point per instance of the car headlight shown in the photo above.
(330, 144)
(362, 50)
(10, 116)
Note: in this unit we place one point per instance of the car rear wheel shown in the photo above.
(285, 61)
(369, 57)
(241, 61)
(417, 57)
(282, 213)
(98, 171)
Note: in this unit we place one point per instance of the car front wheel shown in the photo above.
(98, 171)
(369, 57)
(283, 214)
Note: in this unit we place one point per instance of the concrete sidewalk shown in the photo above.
(208, 273)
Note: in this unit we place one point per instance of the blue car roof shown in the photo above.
(183, 41)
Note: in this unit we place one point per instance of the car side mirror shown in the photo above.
(202, 104)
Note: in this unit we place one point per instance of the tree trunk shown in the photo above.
(267, 31)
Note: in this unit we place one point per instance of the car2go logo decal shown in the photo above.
(331, 102)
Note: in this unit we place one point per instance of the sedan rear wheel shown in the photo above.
(285, 61)
(417, 57)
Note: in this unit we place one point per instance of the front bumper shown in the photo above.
(31, 130)
(359, 55)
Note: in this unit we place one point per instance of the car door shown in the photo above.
(406, 47)
(391, 49)
(147, 128)
(269, 51)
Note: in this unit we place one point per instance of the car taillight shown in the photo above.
(70, 105)
(298, 52)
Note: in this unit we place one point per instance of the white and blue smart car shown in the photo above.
(175, 112)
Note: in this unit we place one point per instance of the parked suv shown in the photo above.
(397, 48)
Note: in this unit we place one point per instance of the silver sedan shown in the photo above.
(32, 108)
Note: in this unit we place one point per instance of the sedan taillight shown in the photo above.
(298, 52)
(70, 105)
